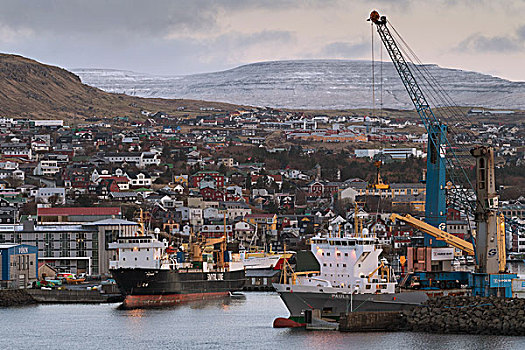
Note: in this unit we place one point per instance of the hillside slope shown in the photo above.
(35, 90)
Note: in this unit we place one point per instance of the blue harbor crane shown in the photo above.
(445, 172)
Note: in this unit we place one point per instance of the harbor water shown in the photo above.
(233, 324)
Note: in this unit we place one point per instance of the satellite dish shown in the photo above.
(156, 230)
(365, 231)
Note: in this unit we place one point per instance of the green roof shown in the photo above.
(143, 189)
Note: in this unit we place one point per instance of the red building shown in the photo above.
(211, 194)
(322, 189)
(77, 214)
(198, 176)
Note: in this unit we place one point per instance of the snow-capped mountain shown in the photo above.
(310, 84)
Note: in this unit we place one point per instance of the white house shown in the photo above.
(141, 180)
(44, 194)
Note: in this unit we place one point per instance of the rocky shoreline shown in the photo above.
(469, 315)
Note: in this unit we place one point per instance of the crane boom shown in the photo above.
(435, 201)
(448, 238)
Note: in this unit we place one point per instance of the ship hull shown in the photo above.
(157, 287)
(333, 304)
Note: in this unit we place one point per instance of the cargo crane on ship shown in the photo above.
(443, 163)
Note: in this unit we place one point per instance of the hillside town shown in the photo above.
(260, 177)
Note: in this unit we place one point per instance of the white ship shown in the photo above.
(352, 278)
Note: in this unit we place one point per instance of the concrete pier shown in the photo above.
(372, 321)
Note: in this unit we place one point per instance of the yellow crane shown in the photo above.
(378, 180)
(454, 241)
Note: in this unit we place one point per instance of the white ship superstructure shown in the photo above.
(348, 264)
(351, 264)
(139, 252)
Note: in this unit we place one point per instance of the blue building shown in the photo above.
(18, 265)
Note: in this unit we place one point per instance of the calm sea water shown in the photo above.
(236, 324)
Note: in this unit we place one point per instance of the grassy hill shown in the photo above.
(31, 89)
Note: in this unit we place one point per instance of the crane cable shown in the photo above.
(447, 104)
(381, 80)
(373, 73)
(449, 109)
(437, 94)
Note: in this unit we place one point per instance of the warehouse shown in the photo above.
(18, 265)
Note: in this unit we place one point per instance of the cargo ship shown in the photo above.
(150, 273)
(351, 278)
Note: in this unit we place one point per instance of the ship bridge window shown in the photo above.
(344, 243)
(351, 242)
(337, 242)
(331, 242)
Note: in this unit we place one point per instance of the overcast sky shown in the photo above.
(181, 37)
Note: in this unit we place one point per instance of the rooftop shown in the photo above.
(89, 211)
(113, 222)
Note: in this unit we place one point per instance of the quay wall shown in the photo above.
(15, 297)
(373, 321)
